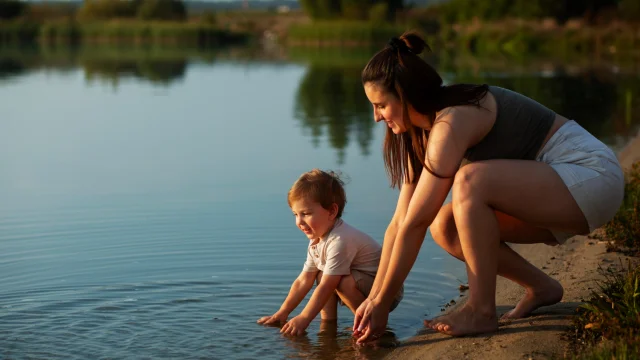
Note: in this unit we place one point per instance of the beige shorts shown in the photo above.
(589, 169)
(364, 283)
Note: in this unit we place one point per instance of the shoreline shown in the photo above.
(543, 334)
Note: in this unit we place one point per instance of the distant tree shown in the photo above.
(107, 9)
(161, 10)
(350, 9)
(586, 9)
(142, 9)
(10, 9)
(489, 10)
(630, 9)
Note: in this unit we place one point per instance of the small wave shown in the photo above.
(186, 301)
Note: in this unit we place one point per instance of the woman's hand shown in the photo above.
(372, 322)
(357, 319)
(275, 319)
(295, 326)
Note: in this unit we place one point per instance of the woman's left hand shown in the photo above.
(373, 323)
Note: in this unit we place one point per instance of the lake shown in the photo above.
(143, 208)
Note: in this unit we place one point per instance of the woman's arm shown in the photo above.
(406, 191)
(448, 142)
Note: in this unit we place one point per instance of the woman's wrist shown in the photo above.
(381, 301)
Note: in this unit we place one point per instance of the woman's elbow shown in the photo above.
(416, 226)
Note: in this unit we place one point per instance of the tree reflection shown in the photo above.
(330, 102)
(161, 72)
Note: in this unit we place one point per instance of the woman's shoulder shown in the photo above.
(465, 124)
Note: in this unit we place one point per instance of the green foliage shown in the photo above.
(321, 9)
(612, 313)
(125, 9)
(351, 9)
(620, 350)
(630, 10)
(491, 10)
(379, 12)
(161, 10)
(342, 32)
(209, 17)
(11, 9)
(355, 9)
(18, 32)
(106, 9)
(624, 229)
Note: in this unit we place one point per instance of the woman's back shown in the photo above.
(519, 130)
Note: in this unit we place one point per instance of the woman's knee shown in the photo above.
(443, 229)
(469, 183)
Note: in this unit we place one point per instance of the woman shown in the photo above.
(518, 172)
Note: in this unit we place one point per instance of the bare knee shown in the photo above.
(443, 229)
(346, 285)
(468, 185)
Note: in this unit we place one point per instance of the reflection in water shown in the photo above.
(156, 71)
(338, 344)
(10, 67)
(591, 97)
(331, 103)
(332, 100)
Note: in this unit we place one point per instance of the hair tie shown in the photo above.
(398, 45)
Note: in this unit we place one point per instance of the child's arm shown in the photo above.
(298, 291)
(321, 294)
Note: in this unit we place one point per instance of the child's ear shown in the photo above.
(334, 210)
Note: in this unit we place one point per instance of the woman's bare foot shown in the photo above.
(535, 298)
(464, 321)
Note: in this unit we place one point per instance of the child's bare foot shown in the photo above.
(535, 298)
(464, 321)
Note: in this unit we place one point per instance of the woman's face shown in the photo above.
(386, 107)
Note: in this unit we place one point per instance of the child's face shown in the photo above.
(312, 218)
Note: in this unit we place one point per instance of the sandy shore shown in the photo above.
(542, 335)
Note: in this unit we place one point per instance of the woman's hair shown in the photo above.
(323, 187)
(399, 70)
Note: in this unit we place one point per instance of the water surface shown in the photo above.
(143, 207)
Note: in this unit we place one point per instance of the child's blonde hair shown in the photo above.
(323, 187)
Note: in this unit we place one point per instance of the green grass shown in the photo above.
(623, 232)
(342, 33)
(608, 324)
(615, 350)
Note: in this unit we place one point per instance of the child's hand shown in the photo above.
(295, 326)
(275, 319)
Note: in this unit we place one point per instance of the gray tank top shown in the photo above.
(520, 128)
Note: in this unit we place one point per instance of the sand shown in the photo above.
(542, 335)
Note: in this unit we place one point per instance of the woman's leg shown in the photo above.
(349, 293)
(526, 190)
(541, 290)
(330, 309)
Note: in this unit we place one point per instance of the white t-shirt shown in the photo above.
(343, 249)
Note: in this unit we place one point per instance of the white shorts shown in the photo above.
(590, 170)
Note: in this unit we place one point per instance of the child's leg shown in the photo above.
(349, 292)
(330, 309)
